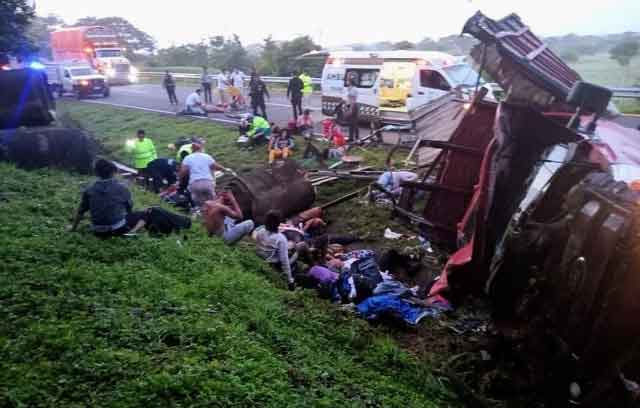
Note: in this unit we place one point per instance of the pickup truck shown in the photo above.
(80, 80)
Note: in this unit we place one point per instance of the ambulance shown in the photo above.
(395, 80)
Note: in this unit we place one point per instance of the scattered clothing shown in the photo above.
(323, 275)
(390, 304)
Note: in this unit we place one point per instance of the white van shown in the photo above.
(393, 80)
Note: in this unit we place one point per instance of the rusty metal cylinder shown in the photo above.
(284, 188)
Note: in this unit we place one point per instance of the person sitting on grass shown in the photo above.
(220, 215)
(110, 205)
(273, 247)
(305, 124)
(279, 145)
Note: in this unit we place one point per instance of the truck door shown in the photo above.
(432, 85)
(366, 80)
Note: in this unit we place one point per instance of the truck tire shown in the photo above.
(107, 92)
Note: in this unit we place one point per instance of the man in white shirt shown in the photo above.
(193, 104)
(200, 168)
(223, 82)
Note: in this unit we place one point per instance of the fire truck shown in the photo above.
(96, 45)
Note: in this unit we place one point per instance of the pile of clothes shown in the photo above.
(355, 278)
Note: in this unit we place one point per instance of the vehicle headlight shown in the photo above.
(110, 72)
(84, 82)
(133, 70)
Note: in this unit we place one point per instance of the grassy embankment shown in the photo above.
(179, 321)
(602, 70)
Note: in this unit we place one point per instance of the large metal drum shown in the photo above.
(282, 187)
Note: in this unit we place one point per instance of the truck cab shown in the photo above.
(115, 66)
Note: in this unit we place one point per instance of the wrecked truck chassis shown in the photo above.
(547, 233)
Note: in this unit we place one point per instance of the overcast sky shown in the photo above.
(336, 22)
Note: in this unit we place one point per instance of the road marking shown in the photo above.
(119, 105)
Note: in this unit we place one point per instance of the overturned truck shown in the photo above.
(538, 198)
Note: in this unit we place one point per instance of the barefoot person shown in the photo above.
(220, 216)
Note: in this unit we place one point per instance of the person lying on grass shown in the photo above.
(220, 215)
(109, 204)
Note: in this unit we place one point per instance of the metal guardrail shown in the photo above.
(629, 93)
(267, 79)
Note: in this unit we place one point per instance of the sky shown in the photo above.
(338, 22)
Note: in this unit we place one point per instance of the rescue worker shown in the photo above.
(144, 152)
(161, 170)
(294, 94)
(307, 89)
(258, 90)
(259, 130)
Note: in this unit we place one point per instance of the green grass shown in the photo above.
(178, 321)
(602, 70)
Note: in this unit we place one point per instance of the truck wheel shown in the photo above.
(107, 92)
(79, 95)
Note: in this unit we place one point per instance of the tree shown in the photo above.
(570, 56)
(404, 45)
(135, 40)
(268, 62)
(40, 31)
(229, 54)
(15, 18)
(624, 51)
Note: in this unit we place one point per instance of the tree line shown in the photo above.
(22, 32)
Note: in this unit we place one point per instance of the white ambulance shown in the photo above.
(394, 80)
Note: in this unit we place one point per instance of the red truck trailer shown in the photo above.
(99, 46)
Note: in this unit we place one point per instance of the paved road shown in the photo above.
(153, 98)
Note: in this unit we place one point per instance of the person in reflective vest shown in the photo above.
(143, 150)
(307, 90)
(183, 152)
